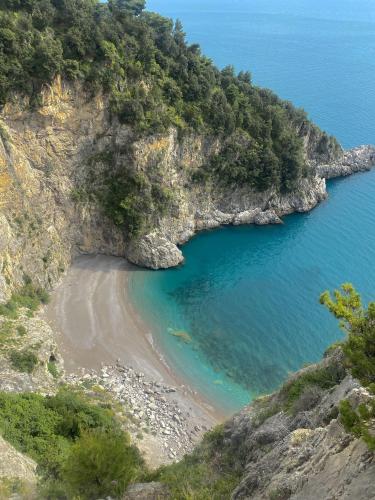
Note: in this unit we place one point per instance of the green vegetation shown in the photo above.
(23, 361)
(209, 472)
(101, 464)
(155, 80)
(130, 200)
(359, 325)
(359, 350)
(29, 296)
(21, 330)
(14, 487)
(52, 368)
(320, 378)
(77, 443)
(360, 421)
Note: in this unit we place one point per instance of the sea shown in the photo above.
(243, 312)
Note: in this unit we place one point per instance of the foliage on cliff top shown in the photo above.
(154, 79)
(359, 350)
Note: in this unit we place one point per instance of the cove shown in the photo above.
(248, 296)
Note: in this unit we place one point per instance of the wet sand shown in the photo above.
(96, 324)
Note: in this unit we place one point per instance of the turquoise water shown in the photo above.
(248, 296)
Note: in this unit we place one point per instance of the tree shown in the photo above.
(359, 324)
(359, 350)
(121, 7)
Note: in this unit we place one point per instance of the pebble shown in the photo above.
(173, 428)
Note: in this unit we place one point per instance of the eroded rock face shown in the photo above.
(147, 491)
(302, 454)
(51, 158)
(15, 465)
(355, 160)
(154, 251)
(36, 337)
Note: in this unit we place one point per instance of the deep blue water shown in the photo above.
(320, 54)
(248, 296)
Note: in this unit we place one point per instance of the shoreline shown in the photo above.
(97, 328)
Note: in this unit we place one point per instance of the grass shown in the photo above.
(15, 488)
(29, 297)
(323, 378)
(209, 473)
(6, 331)
(52, 368)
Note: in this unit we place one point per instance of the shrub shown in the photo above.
(21, 330)
(46, 428)
(308, 399)
(320, 378)
(52, 368)
(210, 472)
(101, 464)
(23, 361)
(358, 421)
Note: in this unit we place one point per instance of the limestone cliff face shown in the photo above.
(302, 453)
(46, 163)
(42, 156)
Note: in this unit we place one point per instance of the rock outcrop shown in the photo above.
(53, 159)
(302, 453)
(15, 465)
(349, 162)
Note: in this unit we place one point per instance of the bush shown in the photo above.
(23, 361)
(308, 399)
(42, 427)
(100, 464)
(210, 472)
(21, 330)
(358, 421)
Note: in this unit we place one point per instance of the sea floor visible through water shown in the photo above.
(243, 311)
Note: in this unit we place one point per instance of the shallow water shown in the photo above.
(248, 296)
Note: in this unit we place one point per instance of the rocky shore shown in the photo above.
(360, 159)
(162, 426)
(202, 211)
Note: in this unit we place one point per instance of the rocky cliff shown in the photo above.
(54, 161)
(301, 450)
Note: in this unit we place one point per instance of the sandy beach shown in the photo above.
(97, 325)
